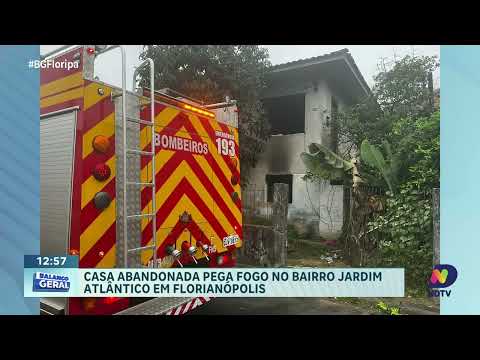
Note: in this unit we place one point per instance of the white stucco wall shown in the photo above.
(320, 204)
(317, 109)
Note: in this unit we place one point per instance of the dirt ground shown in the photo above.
(317, 253)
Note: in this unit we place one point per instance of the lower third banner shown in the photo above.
(278, 282)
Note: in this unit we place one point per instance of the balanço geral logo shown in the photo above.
(443, 276)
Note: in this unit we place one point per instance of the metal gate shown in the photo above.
(256, 210)
(264, 228)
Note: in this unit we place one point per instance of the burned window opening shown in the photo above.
(279, 179)
(286, 114)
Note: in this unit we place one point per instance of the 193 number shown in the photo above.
(225, 147)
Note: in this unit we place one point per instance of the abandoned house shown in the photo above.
(301, 100)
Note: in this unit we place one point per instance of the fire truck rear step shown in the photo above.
(156, 306)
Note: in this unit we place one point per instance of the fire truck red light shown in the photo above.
(101, 172)
(110, 300)
(90, 51)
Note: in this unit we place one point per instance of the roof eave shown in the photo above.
(340, 55)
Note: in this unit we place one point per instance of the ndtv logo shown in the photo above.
(443, 276)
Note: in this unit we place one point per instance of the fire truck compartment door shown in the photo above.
(57, 139)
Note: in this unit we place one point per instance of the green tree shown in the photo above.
(211, 72)
(404, 90)
(401, 90)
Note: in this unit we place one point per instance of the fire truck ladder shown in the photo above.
(150, 153)
(127, 151)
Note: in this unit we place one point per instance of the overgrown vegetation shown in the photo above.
(406, 225)
(392, 139)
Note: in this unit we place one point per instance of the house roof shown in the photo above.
(340, 55)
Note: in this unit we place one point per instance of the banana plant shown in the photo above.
(389, 168)
(324, 163)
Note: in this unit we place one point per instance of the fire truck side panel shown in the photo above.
(98, 226)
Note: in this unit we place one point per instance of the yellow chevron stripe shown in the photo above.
(205, 166)
(213, 149)
(62, 84)
(227, 198)
(92, 96)
(163, 119)
(224, 168)
(97, 228)
(168, 187)
(91, 186)
(105, 127)
(184, 171)
(146, 171)
(60, 98)
(160, 159)
(108, 260)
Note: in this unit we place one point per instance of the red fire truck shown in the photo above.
(130, 179)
